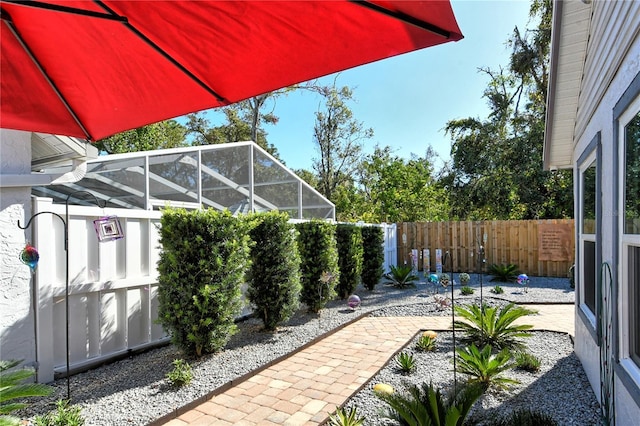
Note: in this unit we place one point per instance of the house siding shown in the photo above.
(17, 333)
(615, 27)
(613, 61)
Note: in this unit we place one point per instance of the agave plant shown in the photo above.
(343, 417)
(405, 362)
(426, 405)
(401, 276)
(11, 388)
(426, 343)
(504, 273)
(484, 368)
(490, 326)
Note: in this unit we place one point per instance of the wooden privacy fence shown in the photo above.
(537, 247)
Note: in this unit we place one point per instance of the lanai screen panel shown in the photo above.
(119, 183)
(173, 177)
(240, 177)
(275, 183)
(315, 205)
(225, 175)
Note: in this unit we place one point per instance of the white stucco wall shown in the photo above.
(17, 335)
(627, 409)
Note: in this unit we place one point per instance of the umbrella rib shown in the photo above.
(158, 49)
(67, 9)
(6, 18)
(404, 18)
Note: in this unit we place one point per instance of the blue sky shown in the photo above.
(408, 99)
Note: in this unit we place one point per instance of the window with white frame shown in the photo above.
(587, 262)
(629, 132)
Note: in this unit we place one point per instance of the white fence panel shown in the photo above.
(390, 245)
(112, 286)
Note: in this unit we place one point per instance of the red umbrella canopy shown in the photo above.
(92, 69)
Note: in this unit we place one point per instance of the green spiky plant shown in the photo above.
(497, 290)
(426, 406)
(504, 272)
(426, 343)
(466, 290)
(526, 361)
(483, 367)
(405, 362)
(401, 276)
(12, 388)
(344, 417)
(64, 415)
(492, 325)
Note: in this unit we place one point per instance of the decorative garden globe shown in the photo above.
(29, 256)
(433, 279)
(523, 279)
(353, 301)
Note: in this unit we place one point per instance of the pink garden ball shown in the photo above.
(353, 301)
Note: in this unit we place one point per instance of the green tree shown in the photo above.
(496, 167)
(165, 134)
(394, 189)
(237, 128)
(205, 256)
(339, 138)
(274, 276)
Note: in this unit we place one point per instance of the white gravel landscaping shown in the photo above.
(134, 391)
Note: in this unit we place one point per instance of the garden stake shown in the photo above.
(65, 224)
(453, 320)
(605, 319)
(66, 250)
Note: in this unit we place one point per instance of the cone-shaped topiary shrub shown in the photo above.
(349, 242)
(319, 263)
(372, 256)
(203, 262)
(274, 277)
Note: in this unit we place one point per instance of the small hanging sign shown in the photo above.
(108, 228)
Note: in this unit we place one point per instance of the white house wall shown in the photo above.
(615, 26)
(615, 29)
(16, 318)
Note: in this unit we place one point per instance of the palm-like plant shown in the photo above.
(490, 326)
(484, 368)
(401, 276)
(427, 406)
(504, 273)
(11, 388)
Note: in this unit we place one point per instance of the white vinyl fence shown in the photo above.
(113, 285)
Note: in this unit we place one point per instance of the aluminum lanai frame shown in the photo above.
(238, 176)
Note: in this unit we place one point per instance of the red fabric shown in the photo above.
(114, 82)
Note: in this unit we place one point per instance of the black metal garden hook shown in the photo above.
(65, 224)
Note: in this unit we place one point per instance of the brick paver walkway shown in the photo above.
(306, 387)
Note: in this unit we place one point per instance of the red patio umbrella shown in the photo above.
(94, 68)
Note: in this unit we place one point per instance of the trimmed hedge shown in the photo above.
(319, 263)
(203, 262)
(349, 242)
(373, 256)
(274, 277)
